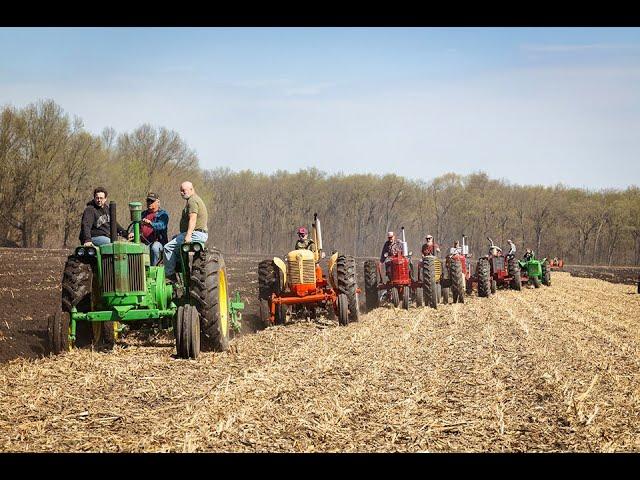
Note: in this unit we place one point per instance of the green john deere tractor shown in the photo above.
(535, 271)
(105, 288)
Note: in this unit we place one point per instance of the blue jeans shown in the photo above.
(170, 258)
(100, 240)
(155, 253)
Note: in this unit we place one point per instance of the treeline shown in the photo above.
(49, 165)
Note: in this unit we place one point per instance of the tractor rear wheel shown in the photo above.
(546, 274)
(58, 332)
(405, 297)
(347, 285)
(419, 297)
(430, 290)
(395, 296)
(494, 285)
(77, 284)
(209, 295)
(371, 284)
(457, 280)
(187, 332)
(343, 309)
(484, 278)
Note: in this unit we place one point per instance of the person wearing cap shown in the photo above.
(390, 247)
(430, 247)
(304, 243)
(153, 229)
(193, 227)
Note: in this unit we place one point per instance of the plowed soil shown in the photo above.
(549, 369)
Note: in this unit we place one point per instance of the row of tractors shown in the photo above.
(434, 281)
(113, 287)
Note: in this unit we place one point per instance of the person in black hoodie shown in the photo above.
(95, 227)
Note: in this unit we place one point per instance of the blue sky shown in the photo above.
(530, 105)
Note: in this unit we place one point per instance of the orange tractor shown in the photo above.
(297, 285)
(556, 263)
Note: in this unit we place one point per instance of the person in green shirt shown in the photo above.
(193, 226)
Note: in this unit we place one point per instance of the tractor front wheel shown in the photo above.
(536, 281)
(58, 332)
(405, 297)
(343, 309)
(419, 297)
(187, 332)
(395, 296)
(445, 295)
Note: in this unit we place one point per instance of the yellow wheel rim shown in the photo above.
(116, 326)
(223, 303)
(70, 341)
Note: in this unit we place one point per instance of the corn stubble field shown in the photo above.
(553, 369)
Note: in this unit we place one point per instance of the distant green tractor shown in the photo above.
(535, 271)
(107, 287)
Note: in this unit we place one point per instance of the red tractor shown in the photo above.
(496, 270)
(400, 284)
(556, 263)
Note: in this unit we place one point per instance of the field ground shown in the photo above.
(549, 369)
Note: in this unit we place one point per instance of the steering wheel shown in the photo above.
(146, 240)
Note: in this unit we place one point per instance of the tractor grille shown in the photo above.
(136, 272)
(136, 280)
(308, 274)
(438, 269)
(498, 264)
(108, 274)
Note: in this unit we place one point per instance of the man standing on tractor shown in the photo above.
(430, 248)
(154, 227)
(303, 242)
(193, 226)
(95, 226)
(512, 248)
(456, 249)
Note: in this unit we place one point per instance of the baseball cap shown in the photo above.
(390, 234)
(152, 196)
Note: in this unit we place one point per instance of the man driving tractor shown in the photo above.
(303, 242)
(430, 247)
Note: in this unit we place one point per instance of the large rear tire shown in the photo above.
(77, 287)
(372, 297)
(514, 271)
(457, 280)
(266, 286)
(347, 285)
(429, 281)
(209, 295)
(484, 278)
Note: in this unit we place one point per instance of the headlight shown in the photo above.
(197, 247)
(80, 252)
(91, 252)
(185, 247)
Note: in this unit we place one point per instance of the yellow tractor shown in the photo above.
(298, 286)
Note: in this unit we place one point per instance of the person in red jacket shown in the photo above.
(430, 248)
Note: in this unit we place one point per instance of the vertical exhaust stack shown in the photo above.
(405, 247)
(465, 247)
(317, 234)
(113, 221)
(136, 217)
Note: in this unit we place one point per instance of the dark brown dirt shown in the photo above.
(625, 275)
(30, 291)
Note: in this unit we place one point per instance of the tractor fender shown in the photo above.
(332, 265)
(283, 268)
